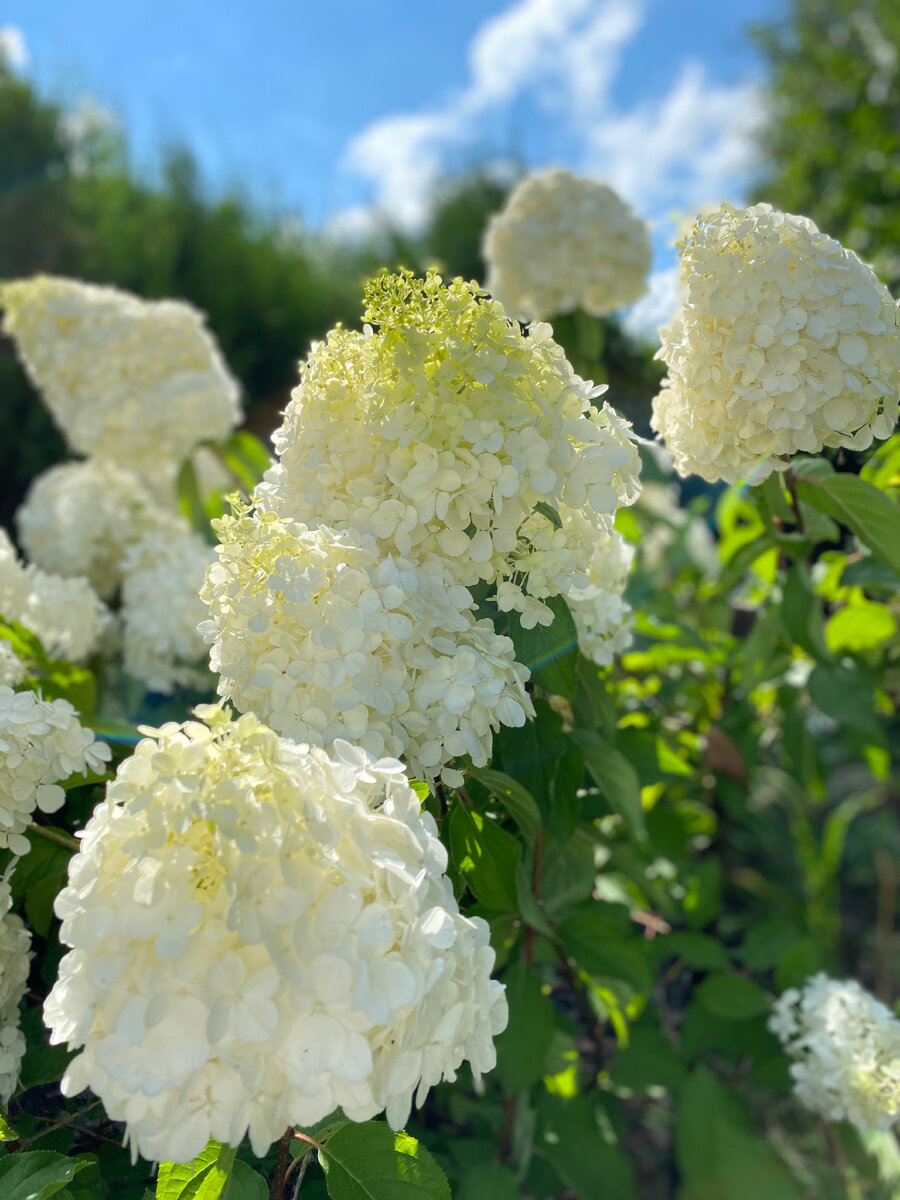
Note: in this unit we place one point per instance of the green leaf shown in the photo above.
(7, 1133)
(719, 1154)
(548, 511)
(570, 1139)
(246, 1184)
(38, 1174)
(594, 706)
(565, 801)
(865, 625)
(698, 950)
(522, 1047)
(600, 948)
(846, 692)
(861, 507)
(245, 457)
(801, 609)
(191, 502)
(549, 651)
(206, 1178)
(486, 857)
(798, 962)
(732, 997)
(369, 1162)
(489, 1181)
(515, 798)
(615, 776)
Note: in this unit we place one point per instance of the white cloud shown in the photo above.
(691, 145)
(653, 310)
(13, 47)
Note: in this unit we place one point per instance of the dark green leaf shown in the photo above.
(523, 1045)
(601, 949)
(516, 799)
(732, 997)
(486, 856)
(846, 692)
(489, 1181)
(246, 1184)
(369, 1162)
(549, 651)
(38, 1174)
(548, 511)
(801, 609)
(698, 950)
(615, 776)
(860, 506)
(570, 1138)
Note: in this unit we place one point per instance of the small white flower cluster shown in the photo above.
(442, 433)
(263, 932)
(79, 518)
(783, 342)
(846, 1050)
(600, 612)
(66, 615)
(15, 959)
(563, 242)
(161, 609)
(321, 636)
(132, 381)
(42, 742)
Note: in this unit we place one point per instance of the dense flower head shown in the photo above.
(261, 932)
(563, 242)
(161, 608)
(599, 608)
(846, 1050)
(13, 580)
(441, 430)
(323, 637)
(135, 381)
(80, 517)
(12, 669)
(783, 342)
(42, 742)
(15, 959)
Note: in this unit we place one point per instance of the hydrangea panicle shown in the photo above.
(563, 242)
(783, 342)
(261, 932)
(15, 959)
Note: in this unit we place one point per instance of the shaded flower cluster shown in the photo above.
(846, 1050)
(132, 381)
(262, 932)
(42, 742)
(15, 958)
(783, 342)
(324, 638)
(563, 242)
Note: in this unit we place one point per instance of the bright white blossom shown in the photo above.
(263, 932)
(13, 580)
(783, 342)
(80, 517)
(137, 382)
(66, 615)
(161, 609)
(441, 432)
(324, 638)
(846, 1050)
(15, 959)
(599, 609)
(42, 742)
(563, 242)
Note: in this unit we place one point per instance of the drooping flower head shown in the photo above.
(161, 609)
(323, 637)
(262, 932)
(42, 742)
(441, 430)
(137, 382)
(783, 342)
(80, 517)
(846, 1050)
(563, 242)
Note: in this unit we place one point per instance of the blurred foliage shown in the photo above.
(832, 136)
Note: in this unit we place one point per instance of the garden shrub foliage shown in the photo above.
(645, 773)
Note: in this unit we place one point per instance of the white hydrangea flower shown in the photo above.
(42, 742)
(15, 959)
(161, 609)
(323, 638)
(440, 433)
(846, 1050)
(134, 381)
(783, 342)
(66, 615)
(563, 242)
(12, 669)
(262, 932)
(80, 517)
(601, 614)
(13, 580)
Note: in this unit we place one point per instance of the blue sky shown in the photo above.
(338, 109)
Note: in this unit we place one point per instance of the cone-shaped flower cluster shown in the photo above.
(846, 1050)
(783, 342)
(562, 242)
(262, 932)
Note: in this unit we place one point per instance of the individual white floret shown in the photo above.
(262, 932)
(324, 638)
(846, 1050)
(563, 242)
(783, 342)
(161, 608)
(137, 382)
(439, 434)
(42, 742)
(80, 517)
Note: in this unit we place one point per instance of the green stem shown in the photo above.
(51, 835)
